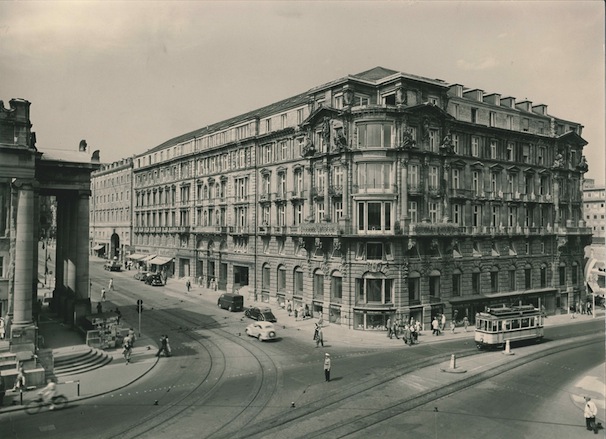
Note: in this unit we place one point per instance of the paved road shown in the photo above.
(219, 382)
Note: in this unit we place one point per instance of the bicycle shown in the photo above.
(35, 405)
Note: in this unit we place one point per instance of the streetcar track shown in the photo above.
(348, 426)
(170, 414)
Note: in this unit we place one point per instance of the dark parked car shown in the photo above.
(112, 266)
(154, 277)
(231, 302)
(261, 314)
(156, 281)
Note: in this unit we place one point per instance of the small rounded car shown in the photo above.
(260, 314)
(141, 275)
(261, 331)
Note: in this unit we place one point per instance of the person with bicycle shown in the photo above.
(48, 393)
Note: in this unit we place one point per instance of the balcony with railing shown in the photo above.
(460, 193)
(325, 229)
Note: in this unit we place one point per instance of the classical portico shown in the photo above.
(27, 175)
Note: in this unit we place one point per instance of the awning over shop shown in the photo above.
(160, 260)
(98, 247)
(136, 256)
(148, 258)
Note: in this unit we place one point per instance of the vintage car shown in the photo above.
(112, 266)
(261, 331)
(260, 314)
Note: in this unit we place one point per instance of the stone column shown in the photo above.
(23, 330)
(82, 228)
(72, 245)
(60, 247)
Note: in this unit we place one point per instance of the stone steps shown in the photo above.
(79, 359)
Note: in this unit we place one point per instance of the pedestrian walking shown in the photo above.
(289, 308)
(435, 326)
(2, 328)
(131, 335)
(452, 326)
(443, 323)
(110, 285)
(199, 281)
(394, 328)
(119, 314)
(465, 323)
(99, 308)
(388, 325)
(188, 285)
(102, 294)
(169, 351)
(163, 346)
(327, 367)
(590, 413)
(318, 336)
(127, 349)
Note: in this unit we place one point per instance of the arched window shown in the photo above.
(266, 277)
(512, 278)
(434, 283)
(336, 286)
(318, 286)
(298, 281)
(494, 279)
(281, 278)
(562, 273)
(527, 276)
(414, 287)
(456, 282)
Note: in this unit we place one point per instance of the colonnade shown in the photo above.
(72, 295)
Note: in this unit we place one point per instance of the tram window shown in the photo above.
(501, 326)
(494, 326)
(525, 323)
(515, 324)
(505, 325)
(532, 321)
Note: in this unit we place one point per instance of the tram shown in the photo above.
(514, 323)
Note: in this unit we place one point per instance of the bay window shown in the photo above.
(374, 177)
(374, 216)
(374, 289)
(375, 135)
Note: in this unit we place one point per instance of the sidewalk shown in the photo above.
(61, 338)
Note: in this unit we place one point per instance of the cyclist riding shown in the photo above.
(48, 393)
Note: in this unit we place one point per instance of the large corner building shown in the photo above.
(374, 195)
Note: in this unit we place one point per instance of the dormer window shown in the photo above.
(433, 100)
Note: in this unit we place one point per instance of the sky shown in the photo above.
(127, 76)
